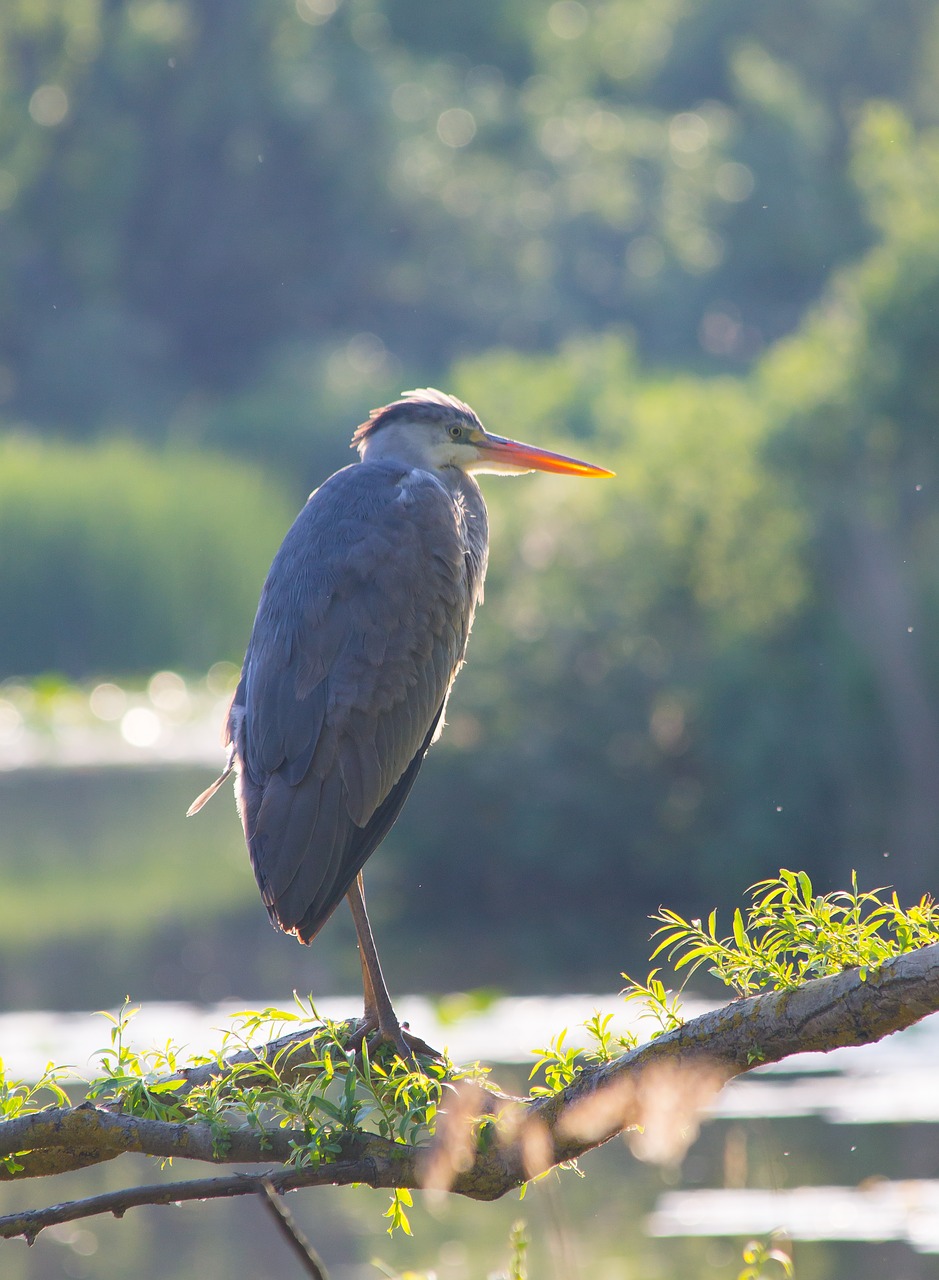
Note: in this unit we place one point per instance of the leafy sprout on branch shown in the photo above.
(325, 1095)
(23, 1097)
(790, 934)
(561, 1063)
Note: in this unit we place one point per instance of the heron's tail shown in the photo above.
(209, 792)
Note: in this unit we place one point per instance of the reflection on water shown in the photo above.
(893, 1082)
(504, 1031)
(168, 721)
(876, 1210)
(109, 889)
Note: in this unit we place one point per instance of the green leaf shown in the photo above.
(740, 936)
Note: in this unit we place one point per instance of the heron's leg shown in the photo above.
(378, 1007)
(371, 1012)
(379, 1013)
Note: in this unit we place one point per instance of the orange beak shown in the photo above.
(513, 456)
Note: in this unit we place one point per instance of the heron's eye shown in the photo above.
(456, 433)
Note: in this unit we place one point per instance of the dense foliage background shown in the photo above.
(697, 242)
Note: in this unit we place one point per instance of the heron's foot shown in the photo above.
(409, 1047)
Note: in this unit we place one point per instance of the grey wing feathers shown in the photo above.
(361, 628)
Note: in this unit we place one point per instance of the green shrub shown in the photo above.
(117, 559)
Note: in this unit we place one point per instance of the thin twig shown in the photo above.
(30, 1222)
(284, 1221)
(290, 1053)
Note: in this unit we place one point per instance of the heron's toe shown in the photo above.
(409, 1047)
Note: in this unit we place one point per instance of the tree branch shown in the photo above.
(75, 1137)
(30, 1222)
(688, 1065)
(821, 1015)
(289, 1053)
(309, 1259)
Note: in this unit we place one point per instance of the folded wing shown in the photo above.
(361, 628)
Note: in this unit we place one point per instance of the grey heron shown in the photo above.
(360, 631)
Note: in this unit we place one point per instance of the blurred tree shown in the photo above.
(857, 398)
(180, 197)
(188, 190)
(718, 661)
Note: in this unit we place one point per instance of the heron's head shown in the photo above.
(429, 429)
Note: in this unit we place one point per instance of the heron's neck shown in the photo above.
(395, 443)
(398, 449)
